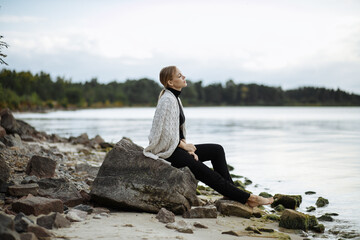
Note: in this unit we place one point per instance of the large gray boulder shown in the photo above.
(130, 181)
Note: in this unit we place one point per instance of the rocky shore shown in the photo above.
(80, 188)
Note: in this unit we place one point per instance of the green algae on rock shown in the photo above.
(288, 201)
(321, 202)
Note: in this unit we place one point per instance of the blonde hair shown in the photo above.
(165, 75)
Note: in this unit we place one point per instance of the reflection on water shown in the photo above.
(283, 149)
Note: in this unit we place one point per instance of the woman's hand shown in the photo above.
(189, 147)
(194, 155)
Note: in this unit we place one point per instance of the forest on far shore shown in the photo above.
(25, 91)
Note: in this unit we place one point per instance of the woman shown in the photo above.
(167, 140)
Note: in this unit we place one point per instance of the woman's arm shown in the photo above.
(189, 147)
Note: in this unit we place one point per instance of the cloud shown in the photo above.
(20, 19)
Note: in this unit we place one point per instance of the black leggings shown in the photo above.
(219, 179)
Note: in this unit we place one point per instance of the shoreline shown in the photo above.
(73, 153)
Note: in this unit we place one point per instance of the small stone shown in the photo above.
(265, 195)
(269, 230)
(42, 167)
(279, 208)
(232, 208)
(320, 228)
(180, 226)
(310, 193)
(201, 212)
(326, 218)
(185, 230)
(292, 219)
(37, 205)
(4, 171)
(233, 233)
(253, 229)
(28, 236)
(85, 208)
(165, 216)
(30, 179)
(321, 202)
(272, 217)
(310, 209)
(127, 225)
(23, 189)
(199, 225)
(98, 210)
(288, 201)
(40, 232)
(75, 215)
(22, 222)
(55, 220)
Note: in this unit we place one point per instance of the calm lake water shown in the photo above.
(287, 150)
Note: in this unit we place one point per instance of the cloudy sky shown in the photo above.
(274, 42)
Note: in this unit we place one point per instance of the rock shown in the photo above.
(37, 205)
(272, 217)
(165, 216)
(55, 220)
(279, 208)
(253, 229)
(61, 189)
(42, 167)
(199, 225)
(233, 208)
(13, 126)
(288, 201)
(82, 139)
(75, 215)
(239, 184)
(265, 195)
(6, 222)
(247, 181)
(28, 236)
(23, 189)
(2, 132)
(22, 223)
(106, 145)
(40, 232)
(7, 228)
(85, 208)
(181, 226)
(129, 180)
(233, 233)
(310, 193)
(8, 121)
(321, 202)
(292, 219)
(98, 210)
(4, 171)
(310, 209)
(30, 179)
(326, 218)
(91, 170)
(96, 141)
(12, 140)
(320, 228)
(201, 212)
(101, 216)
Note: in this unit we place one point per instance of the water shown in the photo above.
(287, 150)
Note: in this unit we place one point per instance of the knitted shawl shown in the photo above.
(164, 134)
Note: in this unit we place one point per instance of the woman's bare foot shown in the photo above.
(254, 201)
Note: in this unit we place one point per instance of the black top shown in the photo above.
(182, 116)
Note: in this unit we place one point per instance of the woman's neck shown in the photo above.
(174, 91)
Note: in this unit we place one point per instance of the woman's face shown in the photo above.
(178, 82)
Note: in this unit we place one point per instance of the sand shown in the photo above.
(131, 225)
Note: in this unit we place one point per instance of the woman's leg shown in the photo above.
(216, 154)
(180, 158)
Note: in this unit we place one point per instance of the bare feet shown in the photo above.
(254, 201)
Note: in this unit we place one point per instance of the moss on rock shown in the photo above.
(292, 219)
(288, 201)
(322, 202)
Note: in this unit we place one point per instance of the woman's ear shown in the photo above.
(169, 83)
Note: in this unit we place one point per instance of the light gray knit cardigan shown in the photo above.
(164, 134)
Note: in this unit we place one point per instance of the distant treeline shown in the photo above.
(26, 91)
